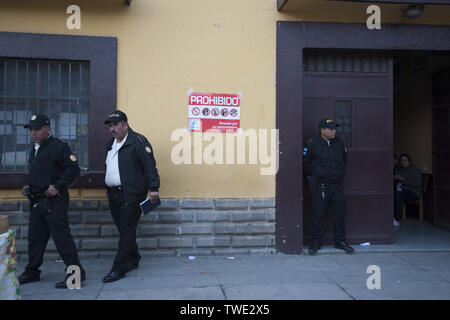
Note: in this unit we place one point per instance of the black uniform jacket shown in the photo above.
(412, 179)
(53, 164)
(137, 167)
(326, 162)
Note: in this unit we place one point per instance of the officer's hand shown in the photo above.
(399, 177)
(51, 191)
(23, 190)
(154, 195)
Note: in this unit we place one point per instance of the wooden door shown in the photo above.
(356, 90)
(441, 149)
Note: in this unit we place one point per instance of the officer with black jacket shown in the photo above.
(52, 168)
(324, 165)
(130, 174)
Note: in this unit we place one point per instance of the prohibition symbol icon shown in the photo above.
(196, 111)
(224, 112)
(233, 112)
(215, 112)
(205, 111)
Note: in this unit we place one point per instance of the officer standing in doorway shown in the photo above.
(52, 168)
(130, 173)
(324, 164)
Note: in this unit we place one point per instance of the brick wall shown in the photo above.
(177, 227)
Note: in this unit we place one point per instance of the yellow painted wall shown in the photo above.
(166, 47)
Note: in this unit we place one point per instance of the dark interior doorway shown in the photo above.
(421, 122)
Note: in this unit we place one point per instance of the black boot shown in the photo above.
(344, 246)
(315, 246)
(27, 278)
(113, 276)
(63, 284)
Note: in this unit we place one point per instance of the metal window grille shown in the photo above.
(344, 118)
(57, 88)
(344, 63)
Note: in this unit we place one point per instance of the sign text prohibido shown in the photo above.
(214, 111)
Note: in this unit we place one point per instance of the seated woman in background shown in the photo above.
(409, 185)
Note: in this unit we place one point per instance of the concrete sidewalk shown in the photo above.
(404, 275)
(416, 266)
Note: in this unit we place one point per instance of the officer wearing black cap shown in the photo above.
(130, 174)
(52, 168)
(324, 164)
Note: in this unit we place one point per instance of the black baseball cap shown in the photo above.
(116, 116)
(37, 121)
(328, 123)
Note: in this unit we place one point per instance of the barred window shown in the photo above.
(344, 118)
(344, 63)
(60, 89)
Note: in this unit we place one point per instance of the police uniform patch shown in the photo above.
(148, 149)
(73, 158)
(33, 117)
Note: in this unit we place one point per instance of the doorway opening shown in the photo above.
(385, 103)
(421, 115)
(293, 40)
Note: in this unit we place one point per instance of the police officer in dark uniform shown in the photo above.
(130, 174)
(324, 165)
(52, 168)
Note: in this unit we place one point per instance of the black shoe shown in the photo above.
(133, 266)
(63, 284)
(113, 276)
(344, 246)
(26, 278)
(314, 248)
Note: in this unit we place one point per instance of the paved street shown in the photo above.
(404, 275)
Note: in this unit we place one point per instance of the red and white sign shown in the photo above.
(220, 112)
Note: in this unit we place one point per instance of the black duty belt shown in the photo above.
(115, 189)
(35, 196)
(321, 180)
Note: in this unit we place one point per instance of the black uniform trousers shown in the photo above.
(48, 217)
(400, 197)
(323, 196)
(126, 216)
